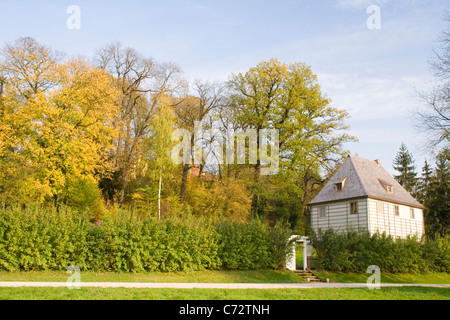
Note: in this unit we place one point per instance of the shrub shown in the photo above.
(355, 252)
(243, 246)
(84, 195)
(42, 239)
(436, 252)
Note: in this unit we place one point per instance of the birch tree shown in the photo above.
(141, 82)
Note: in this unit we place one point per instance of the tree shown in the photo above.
(287, 98)
(423, 183)
(141, 82)
(404, 164)
(196, 108)
(159, 146)
(437, 201)
(435, 116)
(56, 124)
(28, 67)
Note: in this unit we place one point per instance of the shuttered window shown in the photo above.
(353, 207)
(396, 210)
(322, 212)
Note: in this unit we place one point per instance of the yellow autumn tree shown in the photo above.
(219, 199)
(56, 125)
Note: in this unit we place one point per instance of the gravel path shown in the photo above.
(211, 285)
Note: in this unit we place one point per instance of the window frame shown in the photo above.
(396, 210)
(380, 207)
(353, 207)
(320, 214)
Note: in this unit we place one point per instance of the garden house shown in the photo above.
(362, 196)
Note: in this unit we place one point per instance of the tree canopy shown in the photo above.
(95, 136)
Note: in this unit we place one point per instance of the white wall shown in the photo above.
(338, 216)
(396, 226)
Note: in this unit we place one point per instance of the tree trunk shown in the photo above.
(184, 182)
(159, 194)
(255, 210)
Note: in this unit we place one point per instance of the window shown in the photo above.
(322, 212)
(380, 207)
(411, 213)
(388, 187)
(340, 183)
(397, 210)
(353, 207)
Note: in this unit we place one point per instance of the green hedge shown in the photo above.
(41, 239)
(355, 252)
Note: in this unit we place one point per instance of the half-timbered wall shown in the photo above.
(373, 215)
(338, 216)
(400, 222)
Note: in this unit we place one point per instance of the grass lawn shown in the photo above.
(404, 293)
(205, 276)
(428, 278)
(258, 276)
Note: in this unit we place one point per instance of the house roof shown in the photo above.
(365, 178)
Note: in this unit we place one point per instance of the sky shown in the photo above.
(372, 73)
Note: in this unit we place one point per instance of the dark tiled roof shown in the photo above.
(365, 178)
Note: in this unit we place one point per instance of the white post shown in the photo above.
(290, 262)
(305, 252)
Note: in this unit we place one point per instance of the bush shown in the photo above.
(42, 239)
(436, 252)
(243, 246)
(355, 252)
(84, 195)
(36, 241)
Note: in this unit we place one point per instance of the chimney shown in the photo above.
(378, 162)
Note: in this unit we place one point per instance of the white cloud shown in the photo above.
(362, 4)
(372, 98)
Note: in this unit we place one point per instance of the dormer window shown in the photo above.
(340, 183)
(388, 187)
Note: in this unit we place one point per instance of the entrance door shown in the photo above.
(298, 258)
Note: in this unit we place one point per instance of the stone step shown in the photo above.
(307, 275)
(303, 273)
(312, 279)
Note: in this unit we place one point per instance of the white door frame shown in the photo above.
(290, 263)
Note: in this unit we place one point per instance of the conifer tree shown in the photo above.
(404, 165)
(437, 202)
(423, 183)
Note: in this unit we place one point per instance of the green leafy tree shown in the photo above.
(287, 97)
(159, 146)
